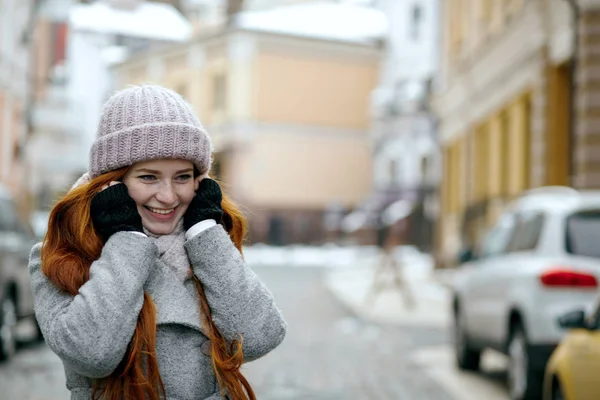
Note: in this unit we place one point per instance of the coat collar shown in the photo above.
(176, 301)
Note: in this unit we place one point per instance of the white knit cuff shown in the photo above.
(199, 227)
(139, 233)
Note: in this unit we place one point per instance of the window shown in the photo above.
(505, 153)
(415, 22)
(59, 42)
(217, 168)
(527, 232)
(496, 240)
(582, 231)
(219, 92)
(182, 90)
(425, 168)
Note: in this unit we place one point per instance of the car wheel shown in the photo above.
(466, 358)
(524, 383)
(8, 323)
(557, 393)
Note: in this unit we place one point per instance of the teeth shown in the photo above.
(160, 211)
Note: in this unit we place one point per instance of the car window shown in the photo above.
(582, 232)
(527, 232)
(497, 239)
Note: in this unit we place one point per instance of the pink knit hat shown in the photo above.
(144, 123)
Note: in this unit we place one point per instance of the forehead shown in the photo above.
(163, 165)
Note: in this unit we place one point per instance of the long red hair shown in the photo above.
(71, 245)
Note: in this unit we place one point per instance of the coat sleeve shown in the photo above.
(90, 331)
(240, 303)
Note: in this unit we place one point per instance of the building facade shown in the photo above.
(15, 84)
(287, 113)
(406, 158)
(515, 111)
(77, 44)
(586, 105)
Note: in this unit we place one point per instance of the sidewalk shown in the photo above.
(349, 277)
(429, 289)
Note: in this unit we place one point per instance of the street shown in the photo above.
(327, 354)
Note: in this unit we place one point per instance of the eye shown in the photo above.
(147, 178)
(184, 177)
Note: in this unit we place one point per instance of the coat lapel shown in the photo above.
(176, 302)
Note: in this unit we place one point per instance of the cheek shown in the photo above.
(186, 195)
(139, 195)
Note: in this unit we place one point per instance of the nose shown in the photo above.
(166, 194)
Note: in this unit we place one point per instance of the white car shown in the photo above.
(540, 260)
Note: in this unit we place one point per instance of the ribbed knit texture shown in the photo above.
(144, 123)
(206, 204)
(113, 210)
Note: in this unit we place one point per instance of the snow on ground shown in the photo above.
(416, 265)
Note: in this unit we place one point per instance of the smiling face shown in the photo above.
(162, 190)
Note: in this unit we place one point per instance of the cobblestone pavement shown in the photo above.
(327, 354)
(34, 374)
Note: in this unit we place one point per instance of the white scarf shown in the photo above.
(172, 252)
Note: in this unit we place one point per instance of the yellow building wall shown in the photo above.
(288, 170)
(469, 23)
(314, 91)
(488, 164)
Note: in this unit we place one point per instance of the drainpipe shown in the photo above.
(575, 12)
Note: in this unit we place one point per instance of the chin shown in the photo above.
(160, 229)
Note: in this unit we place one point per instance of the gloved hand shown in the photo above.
(206, 204)
(113, 210)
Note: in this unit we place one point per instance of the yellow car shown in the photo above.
(573, 371)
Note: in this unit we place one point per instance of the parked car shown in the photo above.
(572, 371)
(16, 298)
(539, 261)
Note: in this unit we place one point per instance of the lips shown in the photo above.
(161, 213)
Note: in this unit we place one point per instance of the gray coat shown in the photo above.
(90, 332)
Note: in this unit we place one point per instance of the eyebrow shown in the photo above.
(152, 171)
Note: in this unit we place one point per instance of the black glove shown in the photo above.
(113, 210)
(206, 204)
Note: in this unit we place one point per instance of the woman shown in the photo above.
(140, 287)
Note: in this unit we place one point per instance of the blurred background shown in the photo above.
(371, 143)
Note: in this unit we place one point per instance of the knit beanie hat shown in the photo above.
(144, 123)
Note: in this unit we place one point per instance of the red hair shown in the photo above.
(71, 245)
